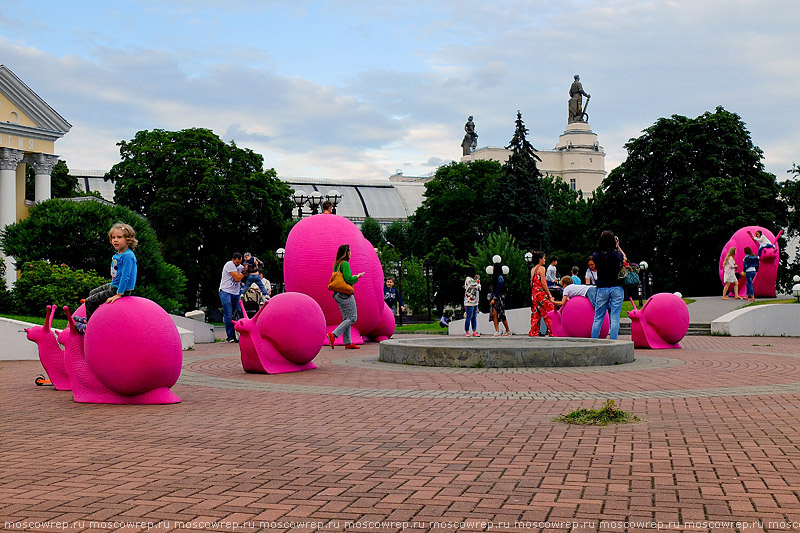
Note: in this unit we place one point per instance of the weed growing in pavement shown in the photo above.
(608, 414)
(477, 364)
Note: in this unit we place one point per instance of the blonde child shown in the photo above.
(123, 272)
(729, 278)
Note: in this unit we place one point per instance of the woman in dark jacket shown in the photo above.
(608, 260)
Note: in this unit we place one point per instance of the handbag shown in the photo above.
(629, 275)
(338, 284)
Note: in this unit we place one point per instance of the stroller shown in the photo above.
(253, 300)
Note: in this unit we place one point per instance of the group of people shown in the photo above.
(749, 270)
(601, 284)
(238, 274)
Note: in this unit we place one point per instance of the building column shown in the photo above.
(43, 169)
(9, 159)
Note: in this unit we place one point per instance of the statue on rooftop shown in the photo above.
(577, 112)
(470, 142)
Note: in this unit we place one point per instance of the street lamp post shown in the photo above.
(643, 282)
(427, 271)
(280, 253)
(299, 198)
(314, 201)
(334, 197)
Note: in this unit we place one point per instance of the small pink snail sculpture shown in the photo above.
(575, 318)
(767, 276)
(283, 336)
(131, 354)
(50, 352)
(308, 264)
(661, 323)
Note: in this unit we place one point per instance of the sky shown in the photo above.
(356, 89)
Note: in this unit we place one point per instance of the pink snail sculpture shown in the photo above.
(51, 354)
(661, 323)
(131, 354)
(283, 336)
(767, 276)
(308, 264)
(575, 318)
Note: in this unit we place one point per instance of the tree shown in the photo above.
(686, 186)
(62, 185)
(447, 282)
(206, 200)
(517, 287)
(76, 234)
(518, 202)
(371, 229)
(569, 218)
(455, 206)
(396, 235)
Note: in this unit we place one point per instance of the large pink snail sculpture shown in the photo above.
(131, 354)
(283, 336)
(764, 282)
(575, 318)
(661, 323)
(308, 263)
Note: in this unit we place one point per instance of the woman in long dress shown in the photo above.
(541, 299)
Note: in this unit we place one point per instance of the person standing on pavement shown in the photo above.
(229, 286)
(608, 260)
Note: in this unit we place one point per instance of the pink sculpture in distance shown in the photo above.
(308, 264)
(661, 323)
(51, 354)
(131, 354)
(765, 280)
(283, 336)
(575, 318)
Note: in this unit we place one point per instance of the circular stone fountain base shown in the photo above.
(505, 352)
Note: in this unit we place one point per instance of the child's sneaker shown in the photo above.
(467, 334)
(81, 327)
(476, 334)
(80, 320)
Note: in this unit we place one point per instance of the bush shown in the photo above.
(5, 294)
(41, 284)
(76, 234)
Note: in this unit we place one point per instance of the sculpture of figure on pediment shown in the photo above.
(470, 142)
(577, 111)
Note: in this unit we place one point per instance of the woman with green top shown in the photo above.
(347, 302)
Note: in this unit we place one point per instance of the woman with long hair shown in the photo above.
(541, 299)
(729, 277)
(346, 302)
(608, 260)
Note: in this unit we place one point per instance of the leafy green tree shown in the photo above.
(518, 202)
(76, 234)
(447, 280)
(518, 279)
(686, 186)
(206, 200)
(455, 207)
(62, 185)
(571, 229)
(397, 235)
(372, 231)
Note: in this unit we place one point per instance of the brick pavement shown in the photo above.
(364, 446)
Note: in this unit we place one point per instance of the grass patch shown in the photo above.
(608, 414)
(773, 301)
(427, 327)
(58, 323)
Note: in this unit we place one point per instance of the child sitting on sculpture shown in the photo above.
(572, 290)
(761, 240)
(123, 273)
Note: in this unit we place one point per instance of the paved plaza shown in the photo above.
(360, 445)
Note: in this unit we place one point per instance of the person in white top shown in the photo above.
(571, 290)
(229, 286)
